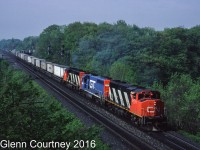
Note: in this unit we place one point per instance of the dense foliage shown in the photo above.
(10, 44)
(168, 58)
(181, 96)
(146, 55)
(28, 113)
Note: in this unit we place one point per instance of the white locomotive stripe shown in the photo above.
(120, 97)
(76, 79)
(110, 94)
(127, 100)
(124, 99)
(115, 95)
(72, 78)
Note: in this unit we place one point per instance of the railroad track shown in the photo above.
(172, 141)
(133, 141)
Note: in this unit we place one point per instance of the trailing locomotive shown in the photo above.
(141, 105)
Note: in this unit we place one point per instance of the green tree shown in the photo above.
(52, 38)
(122, 70)
(181, 96)
(10, 44)
(193, 51)
(30, 43)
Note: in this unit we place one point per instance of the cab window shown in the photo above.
(140, 96)
(156, 95)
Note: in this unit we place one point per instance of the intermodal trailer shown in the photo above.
(43, 65)
(22, 56)
(16, 53)
(38, 62)
(26, 58)
(30, 59)
(59, 70)
(33, 61)
(19, 55)
(50, 67)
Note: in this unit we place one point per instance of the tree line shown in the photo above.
(168, 60)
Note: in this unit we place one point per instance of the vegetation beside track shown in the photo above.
(182, 100)
(195, 137)
(29, 113)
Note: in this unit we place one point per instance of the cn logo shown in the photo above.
(150, 109)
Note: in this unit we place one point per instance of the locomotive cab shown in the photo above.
(147, 104)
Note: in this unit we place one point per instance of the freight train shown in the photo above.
(141, 105)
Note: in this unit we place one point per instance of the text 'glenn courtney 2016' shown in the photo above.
(7, 144)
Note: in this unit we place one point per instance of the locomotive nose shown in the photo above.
(153, 108)
(157, 106)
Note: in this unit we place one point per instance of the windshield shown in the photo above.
(149, 95)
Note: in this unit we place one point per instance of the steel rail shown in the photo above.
(132, 140)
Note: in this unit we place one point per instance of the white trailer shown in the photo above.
(33, 60)
(59, 70)
(22, 56)
(17, 53)
(43, 64)
(30, 59)
(38, 62)
(26, 58)
(50, 67)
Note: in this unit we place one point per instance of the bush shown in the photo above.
(181, 96)
(30, 113)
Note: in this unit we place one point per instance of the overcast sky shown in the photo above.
(23, 18)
